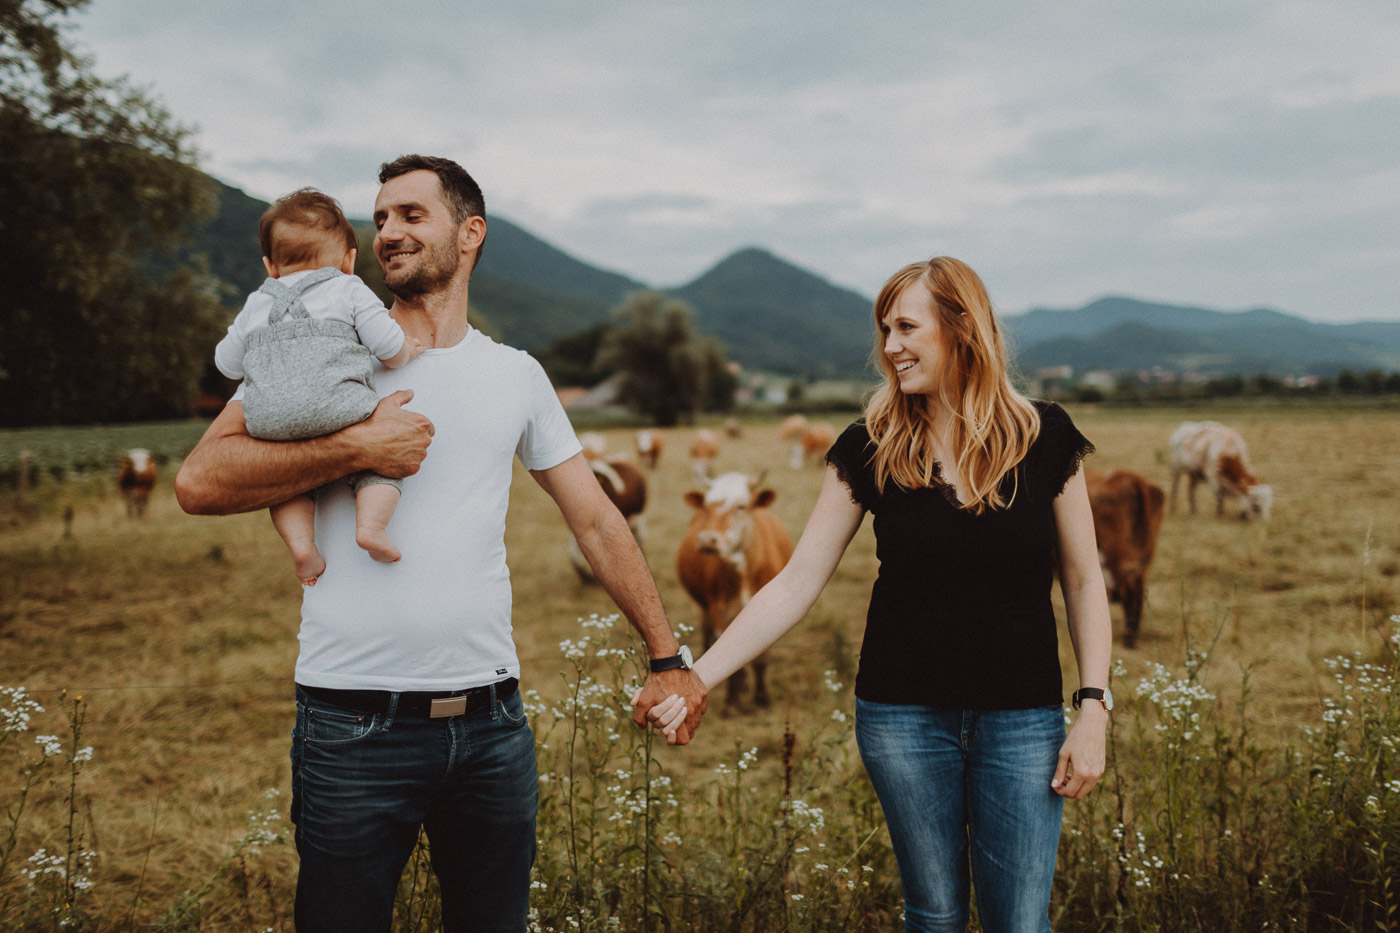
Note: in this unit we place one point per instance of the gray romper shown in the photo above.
(307, 378)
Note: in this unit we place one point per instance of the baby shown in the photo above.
(302, 346)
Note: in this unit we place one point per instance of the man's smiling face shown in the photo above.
(416, 239)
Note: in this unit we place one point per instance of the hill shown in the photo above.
(769, 313)
(1127, 334)
(777, 317)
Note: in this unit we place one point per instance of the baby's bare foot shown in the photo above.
(309, 565)
(378, 544)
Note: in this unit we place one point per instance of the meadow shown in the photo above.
(1255, 781)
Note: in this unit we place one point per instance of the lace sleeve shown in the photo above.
(1067, 446)
(850, 455)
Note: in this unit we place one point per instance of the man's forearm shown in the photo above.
(623, 572)
(229, 472)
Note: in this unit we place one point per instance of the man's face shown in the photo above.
(417, 242)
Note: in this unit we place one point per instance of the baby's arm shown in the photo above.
(228, 355)
(412, 346)
(379, 331)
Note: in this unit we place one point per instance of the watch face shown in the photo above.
(1108, 698)
(686, 660)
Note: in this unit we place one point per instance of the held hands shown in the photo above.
(1082, 757)
(673, 701)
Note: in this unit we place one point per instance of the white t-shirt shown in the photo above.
(342, 298)
(440, 619)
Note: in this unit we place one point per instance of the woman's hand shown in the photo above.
(1082, 757)
(668, 715)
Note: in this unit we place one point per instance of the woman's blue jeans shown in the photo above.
(967, 797)
(362, 785)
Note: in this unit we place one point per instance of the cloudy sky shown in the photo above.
(1229, 155)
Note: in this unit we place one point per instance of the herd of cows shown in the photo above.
(735, 544)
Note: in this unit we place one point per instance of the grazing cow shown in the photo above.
(792, 427)
(816, 440)
(1127, 516)
(702, 454)
(625, 485)
(733, 547)
(1208, 452)
(137, 476)
(595, 445)
(649, 446)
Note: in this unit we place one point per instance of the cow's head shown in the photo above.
(1259, 502)
(725, 514)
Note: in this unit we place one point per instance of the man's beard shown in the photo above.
(438, 264)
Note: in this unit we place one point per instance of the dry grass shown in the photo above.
(180, 632)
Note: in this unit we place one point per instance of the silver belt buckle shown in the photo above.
(447, 706)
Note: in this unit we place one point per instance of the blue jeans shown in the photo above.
(967, 797)
(363, 784)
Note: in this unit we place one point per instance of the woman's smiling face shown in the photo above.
(912, 343)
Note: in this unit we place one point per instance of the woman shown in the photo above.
(976, 492)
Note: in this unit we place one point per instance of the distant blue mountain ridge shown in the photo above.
(774, 316)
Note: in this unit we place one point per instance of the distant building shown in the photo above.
(601, 396)
(1051, 380)
(1099, 379)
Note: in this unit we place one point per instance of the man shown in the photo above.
(408, 713)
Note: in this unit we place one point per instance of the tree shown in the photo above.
(571, 360)
(96, 178)
(666, 368)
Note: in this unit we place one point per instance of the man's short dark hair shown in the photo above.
(462, 193)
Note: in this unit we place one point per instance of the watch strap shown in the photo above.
(675, 661)
(1087, 693)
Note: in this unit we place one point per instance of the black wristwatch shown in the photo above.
(1104, 696)
(682, 660)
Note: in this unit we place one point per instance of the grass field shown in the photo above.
(179, 633)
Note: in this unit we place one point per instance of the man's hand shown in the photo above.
(395, 440)
(682, 683)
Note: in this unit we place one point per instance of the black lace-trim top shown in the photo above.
(960, 614)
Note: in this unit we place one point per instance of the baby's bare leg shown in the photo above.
(374, 507)
(295, 521)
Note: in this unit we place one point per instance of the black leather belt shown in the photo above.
(414, 704)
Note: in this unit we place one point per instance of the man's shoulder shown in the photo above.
(488, 347)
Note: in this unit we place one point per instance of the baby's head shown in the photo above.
(306, 230)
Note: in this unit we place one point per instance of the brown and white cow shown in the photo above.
(703, 452)
(792, 427)
(1127, 517)
(595, 445)
(626, 486)
(733, 547)
(649, 444)
(816, 440)
(1208, 452)
(136, 479)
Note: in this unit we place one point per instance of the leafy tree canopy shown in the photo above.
(95, 178)
(669, 372)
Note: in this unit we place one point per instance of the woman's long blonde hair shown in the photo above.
(993, 424)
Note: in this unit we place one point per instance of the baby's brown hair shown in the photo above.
(303, 228)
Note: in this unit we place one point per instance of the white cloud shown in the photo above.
(1229, 155)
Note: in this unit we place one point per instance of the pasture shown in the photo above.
(179, 634)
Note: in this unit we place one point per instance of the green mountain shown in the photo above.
(774, 316)
(770, 314)
(1119, 333)
(777, 317)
